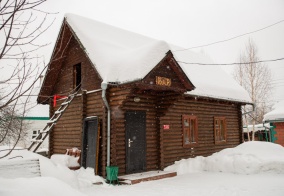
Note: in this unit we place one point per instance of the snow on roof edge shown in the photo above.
(275, 115)
(190, 93)
(127, 49)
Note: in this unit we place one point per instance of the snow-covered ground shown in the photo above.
(252, 168)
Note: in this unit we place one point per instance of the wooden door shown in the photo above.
(135, 141)
(90, 143)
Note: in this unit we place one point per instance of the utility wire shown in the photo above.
(245, 63)
(229, 39)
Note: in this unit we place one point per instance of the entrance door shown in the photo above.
(135, 141)
(90, 143)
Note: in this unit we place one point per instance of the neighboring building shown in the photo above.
(261, 132)
(35, 120)
(276, 120)
(137, 90)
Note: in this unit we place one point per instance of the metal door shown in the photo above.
(90, 142)
(135, 141)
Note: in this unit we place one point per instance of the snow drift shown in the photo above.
(247, 158)
(264, 159)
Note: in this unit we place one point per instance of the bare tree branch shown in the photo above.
(21, 25)
(256, 79)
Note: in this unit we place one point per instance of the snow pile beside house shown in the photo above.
(57, 169)
(247, 158)
(43, 186)
(65, 160)
(263, 158)
(276, 114)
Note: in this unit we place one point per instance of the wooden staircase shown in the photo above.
(36, 142)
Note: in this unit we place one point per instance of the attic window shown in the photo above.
(77, 76)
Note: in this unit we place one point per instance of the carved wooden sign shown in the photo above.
(162, 81)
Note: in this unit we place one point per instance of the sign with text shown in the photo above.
(162, 81)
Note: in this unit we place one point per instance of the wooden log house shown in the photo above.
(160, 109)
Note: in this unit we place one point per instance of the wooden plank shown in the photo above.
(22, 168)
(146, 176)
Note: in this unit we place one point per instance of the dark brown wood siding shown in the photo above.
(75, 55)
(95, 107)
(205, 111)
(122, 100)
(67, 131)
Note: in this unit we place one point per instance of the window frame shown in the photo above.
(35, 133)
(77, 76)
(188, 131)
(220, 136)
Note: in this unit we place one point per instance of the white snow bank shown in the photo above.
(65, 160)
(47, 167)
(87, 178)
(276, 114)
(59, 170)
(43, 186)
(247, 158)
(252, 154)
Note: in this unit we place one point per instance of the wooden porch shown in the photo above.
(145, 176)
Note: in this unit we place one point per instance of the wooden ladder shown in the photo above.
(37, 141)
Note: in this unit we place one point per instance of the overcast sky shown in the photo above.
(189, 23)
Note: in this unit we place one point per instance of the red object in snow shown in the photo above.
(55, 97)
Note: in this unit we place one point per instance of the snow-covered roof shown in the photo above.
(257, 127)
(210, 81)
(121, 56)
(277, 114)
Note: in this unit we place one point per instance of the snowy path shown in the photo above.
(219, 184)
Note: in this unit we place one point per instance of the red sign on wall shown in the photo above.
(166, 127)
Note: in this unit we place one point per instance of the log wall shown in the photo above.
(163, 147)
(75, 55)
(172, 139)
(67, 132)
(122, 100)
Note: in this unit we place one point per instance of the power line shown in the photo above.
(229, 39)
(245, 63)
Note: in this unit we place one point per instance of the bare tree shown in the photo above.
(256, 79)
(21, 25)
